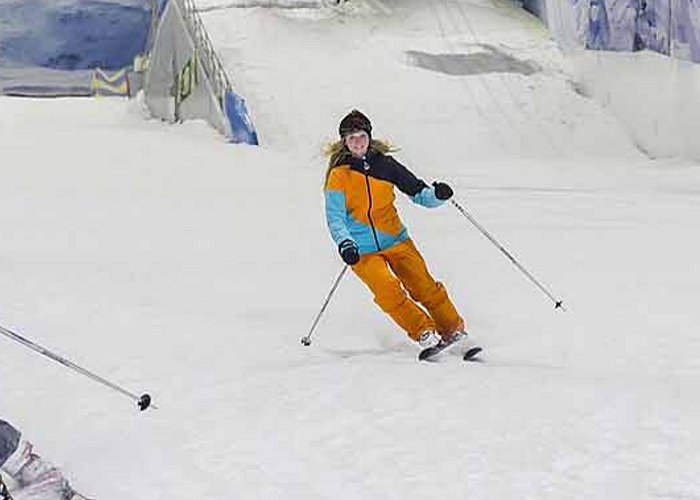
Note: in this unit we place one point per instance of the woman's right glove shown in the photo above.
(349, 252)
(442, 191)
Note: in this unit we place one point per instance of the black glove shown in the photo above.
(442, 191)
(349, 252)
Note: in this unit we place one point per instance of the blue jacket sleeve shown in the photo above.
(337, 215)
(426, 197)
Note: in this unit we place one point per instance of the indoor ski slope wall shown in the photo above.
(670, 27)
(655, 96)
(52, 47)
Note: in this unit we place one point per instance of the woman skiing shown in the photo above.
(364, 223)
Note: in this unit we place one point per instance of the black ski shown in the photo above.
(471, 353)
(429, 353)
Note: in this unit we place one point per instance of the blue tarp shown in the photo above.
(242, 129)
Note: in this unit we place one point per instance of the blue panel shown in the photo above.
(337, 215)
(598, 26)
(654, 26)
(242, 129)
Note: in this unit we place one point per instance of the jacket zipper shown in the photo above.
(365, 167)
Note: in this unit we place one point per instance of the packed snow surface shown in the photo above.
(168, 261)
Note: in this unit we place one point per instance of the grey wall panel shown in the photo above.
(176, 88)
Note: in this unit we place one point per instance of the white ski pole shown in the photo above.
(558, 303)
(143, 401)
(306, 340)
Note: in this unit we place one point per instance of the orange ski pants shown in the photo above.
(399, 279)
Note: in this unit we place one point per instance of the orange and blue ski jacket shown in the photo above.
(360, 201)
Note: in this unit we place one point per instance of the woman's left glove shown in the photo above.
(349, 252)
(442, 191)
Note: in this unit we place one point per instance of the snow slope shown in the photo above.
(167, 260)
(655, 97)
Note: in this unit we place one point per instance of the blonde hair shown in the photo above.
(338, 154)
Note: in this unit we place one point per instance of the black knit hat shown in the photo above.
(353, 122)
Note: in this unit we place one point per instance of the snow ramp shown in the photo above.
(482, 76)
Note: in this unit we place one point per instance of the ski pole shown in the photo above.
(306, 340)
(558, 303)
(143, 401)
